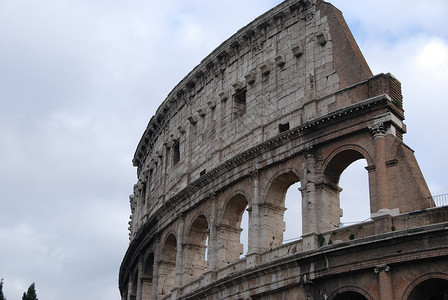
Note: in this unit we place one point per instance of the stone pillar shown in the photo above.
(229, 246)
(254, 215)
(179, 252)
(378, 132)
(272, 225)
(212, 254)
(146, 283)
(130, 284)
(139, 281)
(385, 282)
(309, 199)
(155, 272)
(165, 164)
(189, 151)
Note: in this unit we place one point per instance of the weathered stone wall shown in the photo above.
(289, 98)
(276, 71)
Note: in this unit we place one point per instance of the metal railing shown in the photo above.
(440, 200)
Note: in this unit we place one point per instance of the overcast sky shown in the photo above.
(79, 81)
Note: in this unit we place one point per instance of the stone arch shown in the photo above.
(272, 208)
(340, 158)
(167, 265)
(194, 249)
(432, 286)
(229, 228)
(328, 189)
(233, 197)
(350, 293)
(148, 263)
(147, 274)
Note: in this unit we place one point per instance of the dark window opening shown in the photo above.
(176, 152)
(202, 172)
(350, 296)
(283, 127)
(239, 100)
(143, 193)
(431, 289)
(168, 155)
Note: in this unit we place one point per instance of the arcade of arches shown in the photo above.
(215, 226)
(287, 100)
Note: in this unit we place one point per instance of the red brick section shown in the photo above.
(350, 64)
(374, 86)
(381, 177)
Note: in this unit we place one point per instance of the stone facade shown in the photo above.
(288, 98)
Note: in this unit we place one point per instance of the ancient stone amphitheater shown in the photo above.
(288, 98)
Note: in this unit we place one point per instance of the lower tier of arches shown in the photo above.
(402, 264)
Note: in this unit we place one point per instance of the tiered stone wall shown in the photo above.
(272, 75)
(289, 98)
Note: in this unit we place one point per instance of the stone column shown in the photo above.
(165, 164)
(155, 272)
(130, 284)
(139, 281)
(189, 142)
(146, 288)
(254, 215)
(212, 259)
(385, 282)
(309, 199)
(378, 132)
(179, 252)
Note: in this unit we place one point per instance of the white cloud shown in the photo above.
(432, 60)
(421, 64)
(79, 80)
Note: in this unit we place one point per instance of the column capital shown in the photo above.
(181, 216)
(377, 130)
(254, 174)
(212, 196)
(381, 268)
(309, 152)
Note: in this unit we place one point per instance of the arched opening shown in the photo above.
(195, 248)
(431, 289)
(229, 230)
(293, 214)
(244, 238)
(350, 296)
(354, 198)
(273, 210)
(330, 190)
(167, 266)
(146, 279)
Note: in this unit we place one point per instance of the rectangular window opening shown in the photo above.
(176, 152)
(283, 127)
(143, 194)
(239, 102)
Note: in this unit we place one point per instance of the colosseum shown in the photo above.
(287, 99)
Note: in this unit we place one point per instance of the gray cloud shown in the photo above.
(80, 80)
